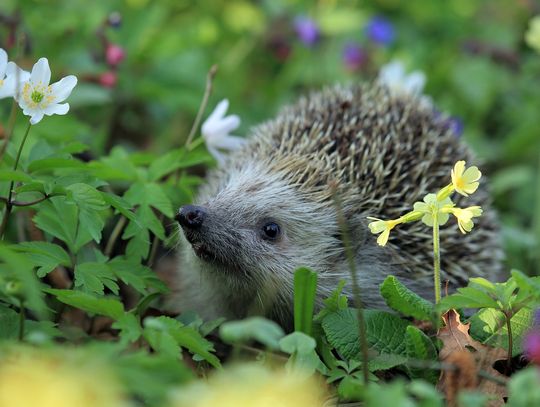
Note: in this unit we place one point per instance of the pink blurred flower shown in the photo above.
(531, 346)
(114, 54)
(108, 79)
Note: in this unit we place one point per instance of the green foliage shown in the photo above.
(97, 189)
(405, 301)
(305, 287)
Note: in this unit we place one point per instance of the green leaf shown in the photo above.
(305, 287)
(385, 361)
(120, 204)
(9, 323)
(184, 336)
(54, 163)
(523, 388)
(89, 303)
(130, 329)
(419, 346)
(94, 277)
(140, 277)
(46, 256)
(385, 332)
(489, 326)
(255, 328)
(468, 297)
(10, 175)
(87, 197)
(304, 360)
(401, 299)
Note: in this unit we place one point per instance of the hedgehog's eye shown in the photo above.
(271, 231)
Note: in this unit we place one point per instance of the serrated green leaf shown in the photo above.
(305, 287)
(86, 196)
(94, 277)
(120, 204)
(140, 277)
(89, 303)
(255, 328)
(130, 329)
(385, 361)
(184, 336)
(405, 301)
(385, 332)
(44, 255)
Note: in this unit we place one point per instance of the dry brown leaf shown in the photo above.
(455, 337)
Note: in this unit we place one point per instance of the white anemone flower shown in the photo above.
(393, 75)
(11, 76)
(37, 98)
(216, 129)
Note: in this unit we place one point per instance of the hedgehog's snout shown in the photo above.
(191, 217)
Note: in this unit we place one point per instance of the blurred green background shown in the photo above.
(144, 95)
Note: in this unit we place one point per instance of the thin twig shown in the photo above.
(209, 81)
(19, 203)
(356, 288)
(115, 234)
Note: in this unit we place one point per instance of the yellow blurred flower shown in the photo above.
(465, 181)
(36, 378)
(383, 227)
(251, 385)
(532, 36)
(464, 217)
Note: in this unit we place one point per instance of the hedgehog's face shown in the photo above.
(252, 227)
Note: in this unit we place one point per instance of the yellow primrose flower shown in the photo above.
(431, 206)
(532, 36)
(251, 385)
(465, 181)
(384, 226)
(464, 217)
(29, 377)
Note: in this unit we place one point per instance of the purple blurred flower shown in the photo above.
(456, 125)
(531, 346)
(380, 31)
(115, 19)
(307, 30)
(114, 54)
(536, 318)
(353, 56)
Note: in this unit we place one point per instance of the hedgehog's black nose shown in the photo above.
(191, 216)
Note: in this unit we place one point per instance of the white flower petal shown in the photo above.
(3, 63)
(41, 73)
(222, 127)
(36, 118)
(56, 108)
(218, 112)
(229, 142)
(19, 73)
(392, 74)
(7, 89)
(62, 89)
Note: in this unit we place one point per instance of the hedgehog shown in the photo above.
(271, 209)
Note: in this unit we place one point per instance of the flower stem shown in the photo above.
(510, 343)
(436, 259)
(9, 205)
